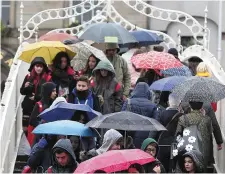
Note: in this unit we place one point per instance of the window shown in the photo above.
(5, 12)
(187, 41)
(88, 15)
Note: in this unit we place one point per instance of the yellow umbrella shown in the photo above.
(45, 49)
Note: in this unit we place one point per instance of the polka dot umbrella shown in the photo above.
(155, 60)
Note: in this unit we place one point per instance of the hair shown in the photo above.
(173, 100)
(203, 68)
(83, 79)
(137, 166)
(87, 70)
(196, 105)
(140, 51)
(77, 115)
(59, 150)
(57, 59)
(174, 52)
(158, 48)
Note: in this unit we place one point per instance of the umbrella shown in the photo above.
(146, 38)
(64, 127)
(125, 120)
(115, 161)
(167, 84)
(200, 89)
(83, 51)
(179, 71)
(65, 111)
(155, 60)
(45, 49)
(108, 32)
(57, 37)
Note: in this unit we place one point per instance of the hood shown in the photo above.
(148, 141)
(46, 90)
(106, 65)
(66, 145)
(197, 157)
(38, 60)
(110, 138)
(141, 91)
(57, 101)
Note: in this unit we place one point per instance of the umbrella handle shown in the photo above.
(125, 139)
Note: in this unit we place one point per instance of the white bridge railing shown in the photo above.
(11, 115)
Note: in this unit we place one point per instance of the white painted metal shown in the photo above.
(21, 23)
(219, 49)
(205, 40)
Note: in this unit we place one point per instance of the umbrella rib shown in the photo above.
(36, 51)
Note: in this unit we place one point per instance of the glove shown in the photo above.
(101, 100)
(42, 143)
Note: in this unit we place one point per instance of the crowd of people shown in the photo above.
(106, 87)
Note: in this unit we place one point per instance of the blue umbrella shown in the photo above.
(64, 127)
(65, 111)
(179, 71)
(146, 38)
(168, 83)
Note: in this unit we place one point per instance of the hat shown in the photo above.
(174, 52)
(109, 46)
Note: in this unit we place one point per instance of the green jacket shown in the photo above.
(112, 95)
(122, 72)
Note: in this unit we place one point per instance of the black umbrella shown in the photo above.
(125, 120)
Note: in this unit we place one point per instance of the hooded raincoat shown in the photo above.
(110, 138)
(140, 104)
(150, 166)
(65, 145)
(112, 95)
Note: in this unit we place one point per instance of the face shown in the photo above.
(188, 164)
(82, 86)
(63, 63)
(115, 146)
(92, 62)
(62, 158)
(75, 142)
(104, 73)
(53, 95)
(38, 68)
(151, 150)
(111, 52)
(82, 119)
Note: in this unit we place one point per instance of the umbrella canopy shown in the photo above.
(45, 49)
(146, 38)
(108, 32)
(84, 50)
(179, 71)
(57, 37)
(167, 84)
(64, 127)
(126, 121)
(200, 89)
(115, 161)
(155, 60)
(65, 111)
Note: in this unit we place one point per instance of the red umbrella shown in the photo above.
(57, 37)
(155, 60)
(114, 161)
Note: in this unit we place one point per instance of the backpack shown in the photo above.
(191, 138)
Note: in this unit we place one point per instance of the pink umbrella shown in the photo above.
(57, 37)
(155, 60)
(114, 161)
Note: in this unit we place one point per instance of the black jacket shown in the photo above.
(46, 102)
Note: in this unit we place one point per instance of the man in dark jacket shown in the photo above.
(139, 103)
(64, 159)
(83, 95)
(168, 118)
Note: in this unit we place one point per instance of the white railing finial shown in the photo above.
(21, 22)
(205, 39)
(178, 40)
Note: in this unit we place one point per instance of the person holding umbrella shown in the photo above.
(31, 87)
(63, 74)
(48, 94)
(121, 67)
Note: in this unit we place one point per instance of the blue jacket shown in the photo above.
(140, 104)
